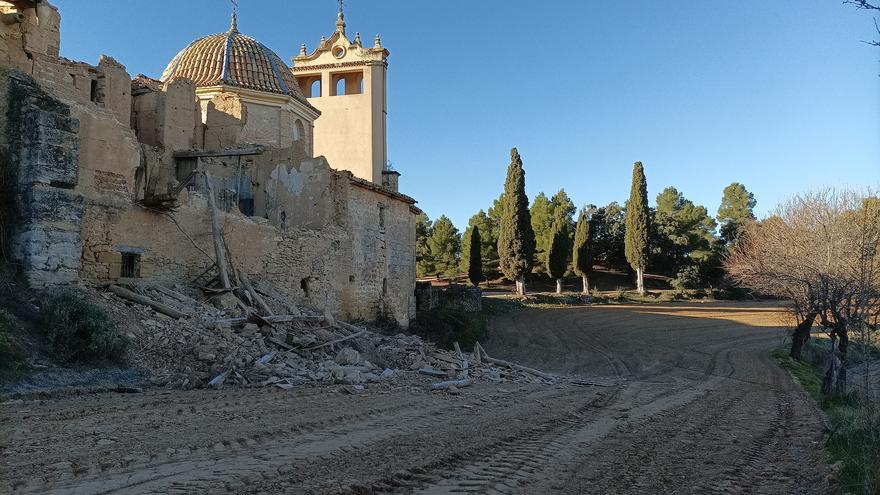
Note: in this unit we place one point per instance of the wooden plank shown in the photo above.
(219, 254)
(267, 311)
(269, 319)
(343, 339)
(432, 372)
(531, 371)
(146, 301)
(250, 150)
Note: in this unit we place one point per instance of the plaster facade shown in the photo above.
(103, 167)
(347, 83)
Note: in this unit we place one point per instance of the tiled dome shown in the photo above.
(233, 59)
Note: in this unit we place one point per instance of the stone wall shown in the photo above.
(39, 158)
(383, 240)
(83, 145)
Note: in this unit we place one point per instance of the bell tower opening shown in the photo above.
(351, 95)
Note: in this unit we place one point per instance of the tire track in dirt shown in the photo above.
(702, 409)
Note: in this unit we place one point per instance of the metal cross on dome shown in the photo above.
(234, 26)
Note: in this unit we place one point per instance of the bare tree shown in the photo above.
(865, 5)
(820, 251)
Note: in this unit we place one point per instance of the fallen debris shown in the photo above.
(188, 342)
(451, 383)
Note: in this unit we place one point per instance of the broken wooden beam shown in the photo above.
(267, 311)
(219, 254)
(526, 369)
(146, 301)
(244, 151)
(336, 341)
(432, 372)
(241, 320)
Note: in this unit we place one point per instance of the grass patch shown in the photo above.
(499, 306)
(854, 444)
(78, 330)
(445, 326)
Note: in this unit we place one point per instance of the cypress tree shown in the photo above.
(516, 240)
(475, 262)
(636, 233)
(582, 252)
(557, 254)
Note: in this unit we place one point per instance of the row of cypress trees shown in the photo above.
(516, 238)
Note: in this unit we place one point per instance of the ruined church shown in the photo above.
(105, 177)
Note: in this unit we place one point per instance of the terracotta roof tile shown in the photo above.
(233, 59)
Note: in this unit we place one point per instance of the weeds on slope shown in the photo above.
(854, 444)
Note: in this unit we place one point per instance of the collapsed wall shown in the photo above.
(108, 181)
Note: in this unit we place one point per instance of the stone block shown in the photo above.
(43, 203)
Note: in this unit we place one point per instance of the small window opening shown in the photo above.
(131, 265)
(299, 130)
(340, 86)
(351, 278)
(93, 91)
(382, 216)
(315, 89)
(384, 286)
(283, 220)
(304, 285)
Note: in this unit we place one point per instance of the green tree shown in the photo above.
(582, 250)
(683, 241)
(496, 211)
(488, 242)
(475, 264)
(424, 266)
(736, 211)
(608, 225)
(542, 224)
(557, 254)
(637, 226)
(444, 246)
(562, 208)
(545, 212)
(516, 239)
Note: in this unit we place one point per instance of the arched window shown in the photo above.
(299, 132)
(340, 86)
(315, 89)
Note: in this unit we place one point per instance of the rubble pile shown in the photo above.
(218, 342)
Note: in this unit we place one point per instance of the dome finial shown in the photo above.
(340, 19)
(378, 42)
(233, 27)
(302, 50)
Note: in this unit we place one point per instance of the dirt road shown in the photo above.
(696, 405)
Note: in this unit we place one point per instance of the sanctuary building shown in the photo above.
(106, 177)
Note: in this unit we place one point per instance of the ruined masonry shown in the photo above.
(103, 177)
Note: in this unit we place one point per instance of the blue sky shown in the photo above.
(780, 96)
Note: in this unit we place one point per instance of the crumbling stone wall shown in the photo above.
(383, 241)
(167, 116)
(39, 157)
(83, 144)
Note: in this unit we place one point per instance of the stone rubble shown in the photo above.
(207, 349)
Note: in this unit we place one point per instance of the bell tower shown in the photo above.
(346, 82)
